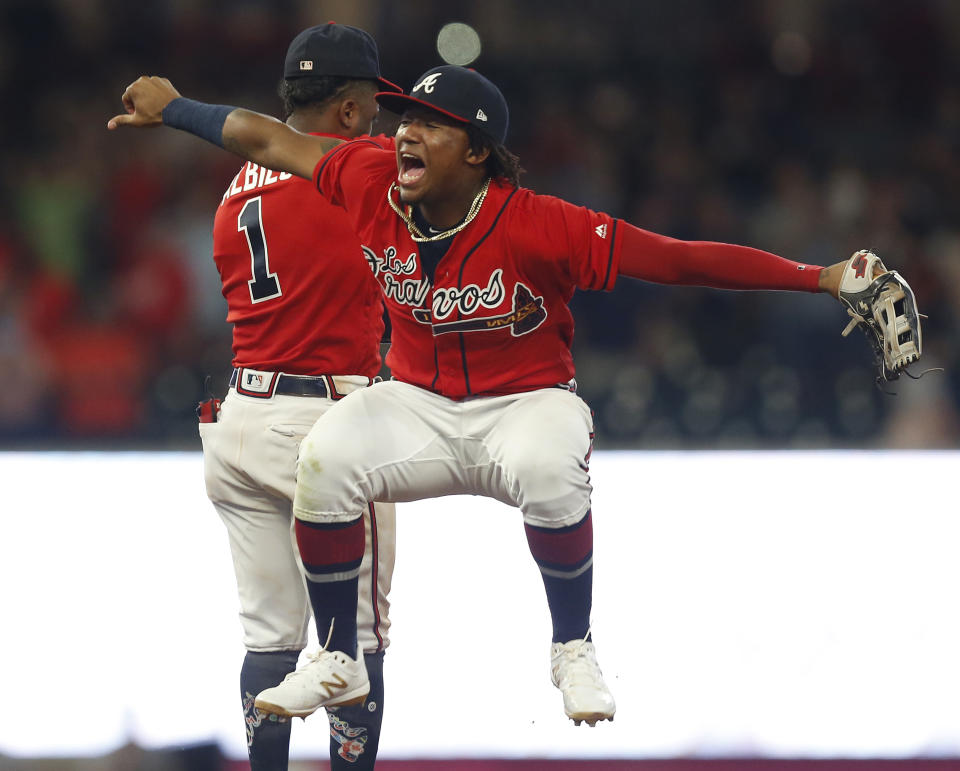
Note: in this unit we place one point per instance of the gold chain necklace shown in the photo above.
(415, 232)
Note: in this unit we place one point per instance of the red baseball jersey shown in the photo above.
(495, 319)
(299, 293)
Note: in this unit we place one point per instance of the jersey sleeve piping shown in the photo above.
(613, 243)
(318, 171)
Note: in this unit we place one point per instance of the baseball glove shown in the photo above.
(882, 304)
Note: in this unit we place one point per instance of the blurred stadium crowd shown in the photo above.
(810, 128)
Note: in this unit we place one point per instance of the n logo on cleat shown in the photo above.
(333, 687)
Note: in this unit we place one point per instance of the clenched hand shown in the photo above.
(144, 100)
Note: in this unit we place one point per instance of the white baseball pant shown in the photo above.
(250, 462)
(397, 442)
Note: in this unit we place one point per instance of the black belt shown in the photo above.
(278, 383)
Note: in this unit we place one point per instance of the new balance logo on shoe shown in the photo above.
(601, 230)
(332, 687)
(481, 115)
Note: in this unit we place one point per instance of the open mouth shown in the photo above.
(411, 169)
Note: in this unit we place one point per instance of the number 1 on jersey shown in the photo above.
(264, 285)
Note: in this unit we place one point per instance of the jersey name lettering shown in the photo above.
(468, 299)
(392, 270)
(410, 291)
(390, 263)
(252, 177)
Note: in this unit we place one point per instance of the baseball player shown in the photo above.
(307, 323)
(477, 274)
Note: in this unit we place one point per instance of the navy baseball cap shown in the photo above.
(459, 93)
(337, 50)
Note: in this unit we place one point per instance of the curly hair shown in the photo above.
(316, 92)
(501, 163)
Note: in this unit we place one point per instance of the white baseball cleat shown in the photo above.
(331, 679)
(574, 670)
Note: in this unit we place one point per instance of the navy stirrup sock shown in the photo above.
(565, 558)
(331, 553)
(268, 736)
(355, 730)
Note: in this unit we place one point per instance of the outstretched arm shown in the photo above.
(879, 301)
(652, 257)
(153, 101)
(830, 278)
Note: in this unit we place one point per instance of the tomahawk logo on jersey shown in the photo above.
(526, 314)
(494, 318)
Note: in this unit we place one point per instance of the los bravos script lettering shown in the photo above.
(409, 291)
(406, 291)
(390, 270)
(390, 263)
(466, 300)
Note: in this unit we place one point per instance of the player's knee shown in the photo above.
(539, 474)
(333, 466)
(332, 451)
(538, 465)
(550, 489)
(313, 456)
(326, 490)
(321, 471)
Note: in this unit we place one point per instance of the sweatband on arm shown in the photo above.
(204, 120)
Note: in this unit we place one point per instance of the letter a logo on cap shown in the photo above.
(428, 83)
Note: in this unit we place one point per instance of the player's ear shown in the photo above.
(477, 156)
(348, 113)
